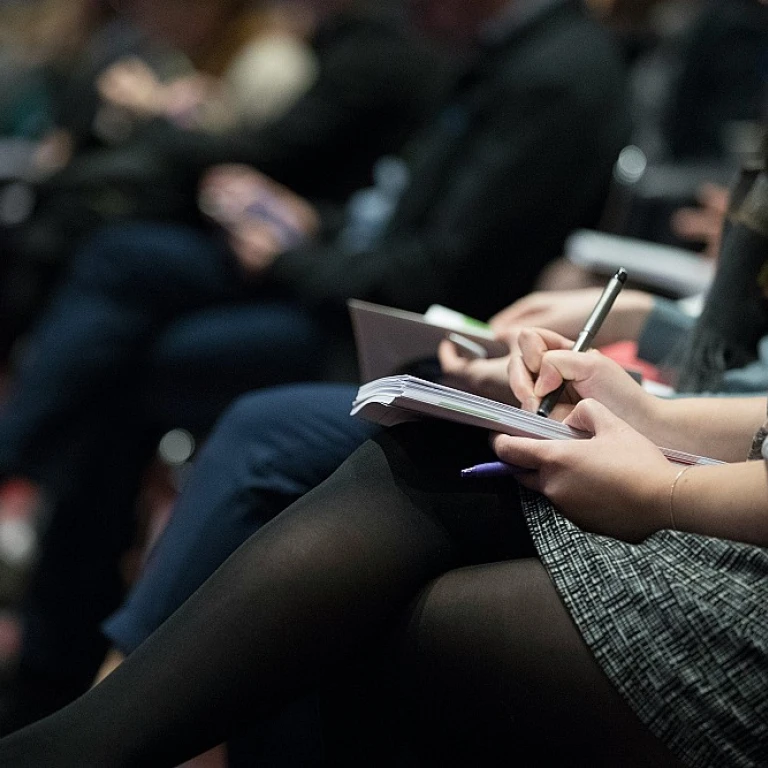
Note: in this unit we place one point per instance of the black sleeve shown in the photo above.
(369, 95)
(508, 195)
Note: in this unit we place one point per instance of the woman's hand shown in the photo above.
(615, 483)
(703, 223)
(486, 377)
(544, 359)
(566, 311)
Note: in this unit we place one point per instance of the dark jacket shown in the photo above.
(520, 154)
(377, 84)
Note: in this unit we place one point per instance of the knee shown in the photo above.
(258, 412)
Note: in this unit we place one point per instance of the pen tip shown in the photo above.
(621, 274)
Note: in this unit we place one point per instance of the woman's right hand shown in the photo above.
(544, 359)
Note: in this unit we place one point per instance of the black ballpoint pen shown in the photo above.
(591, 327)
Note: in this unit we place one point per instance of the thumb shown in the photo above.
(568, 365)
(591, 416)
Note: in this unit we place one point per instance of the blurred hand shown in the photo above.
(703, 224)
(54, 151)
(131, 85)
(262, 217)
(565, 312)
(615, 483)
(183, 98)
(486, 377)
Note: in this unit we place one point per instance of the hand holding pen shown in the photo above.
(588, 333)
(542, 337)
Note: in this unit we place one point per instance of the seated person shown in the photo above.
(504, 163)
(376, 82)
(578, 610)
(273, 446)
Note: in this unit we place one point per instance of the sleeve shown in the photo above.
(500, 208)
(356, 81)
(664, 329)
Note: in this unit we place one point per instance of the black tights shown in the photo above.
(394, 541)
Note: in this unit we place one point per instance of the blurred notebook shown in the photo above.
(395, 399)
(390, 340)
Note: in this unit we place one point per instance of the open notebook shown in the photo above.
(394, 399)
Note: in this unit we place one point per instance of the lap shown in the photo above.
(502, 668)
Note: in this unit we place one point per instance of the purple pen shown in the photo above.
(490, 469)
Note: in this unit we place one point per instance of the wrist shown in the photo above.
(677, 488)
(653, 500)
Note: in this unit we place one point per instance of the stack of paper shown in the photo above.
(395, 399)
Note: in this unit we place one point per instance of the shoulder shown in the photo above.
(565, 57)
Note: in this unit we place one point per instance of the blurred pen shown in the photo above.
(490, 469)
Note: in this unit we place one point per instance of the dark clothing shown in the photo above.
(516, 160)
(394, 542)
(723, 79)
(376, 84)
(269, 449)
(518, 157)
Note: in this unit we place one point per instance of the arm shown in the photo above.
(565, 312)
(619, 484)
(717, 427)
(710, 426)
(487, 200)
(359, 107)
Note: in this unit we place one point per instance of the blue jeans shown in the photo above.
(154, 328)
(268, 449)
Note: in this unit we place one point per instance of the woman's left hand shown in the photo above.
(615, 483)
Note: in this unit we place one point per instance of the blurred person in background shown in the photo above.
(376, 82)
(519, 154)
(332, 95)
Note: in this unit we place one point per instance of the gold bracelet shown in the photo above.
(672, 495)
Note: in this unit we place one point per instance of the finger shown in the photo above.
(450, 360)
(591, 416)
(524, 452)
(534, 344)
(515, 313)
(566, 365)
(714, 196)
(521, 383)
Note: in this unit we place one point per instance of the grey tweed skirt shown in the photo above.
(679, 623)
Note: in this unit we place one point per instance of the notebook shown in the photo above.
(396, 399)
(389, 340)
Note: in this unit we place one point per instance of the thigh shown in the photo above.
(496, 669)
(169, 267)
(269, 448)
(482, 518)
(203, 360)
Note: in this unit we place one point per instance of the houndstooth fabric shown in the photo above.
(679, 623)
